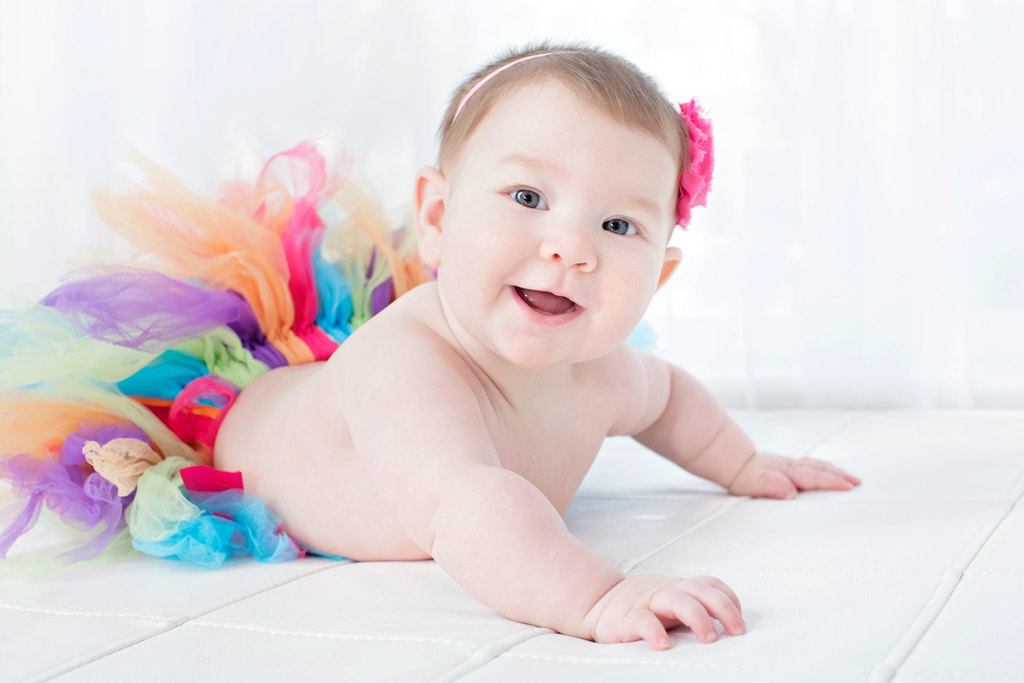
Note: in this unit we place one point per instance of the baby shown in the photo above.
(458, 421)
(547, 220)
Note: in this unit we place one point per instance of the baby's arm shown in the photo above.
(678, 418)
(670, 412)
(420, 435)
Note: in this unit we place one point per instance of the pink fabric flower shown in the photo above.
(695, 181)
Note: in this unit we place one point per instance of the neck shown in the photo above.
(515, 383)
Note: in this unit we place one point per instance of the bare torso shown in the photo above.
(288, 437)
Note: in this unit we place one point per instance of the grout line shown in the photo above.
(630, 564)
(165, 627)
(254, 627)
(64, 612)
(82, 660)
(944, 591)
(728, 504)
(490, 651)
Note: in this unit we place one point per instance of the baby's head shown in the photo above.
(559, 173)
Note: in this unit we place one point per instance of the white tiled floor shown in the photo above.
(916, 575)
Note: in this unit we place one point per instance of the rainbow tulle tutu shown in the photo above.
(113, 386)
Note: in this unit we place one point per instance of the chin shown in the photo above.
(532, 357)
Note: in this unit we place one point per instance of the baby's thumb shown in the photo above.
(775, 484)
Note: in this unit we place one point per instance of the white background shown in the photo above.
(862, 247)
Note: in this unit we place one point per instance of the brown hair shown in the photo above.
(615, 86)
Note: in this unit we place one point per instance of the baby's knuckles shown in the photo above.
(611, 619)
(614, 608)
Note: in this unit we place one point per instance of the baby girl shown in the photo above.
(458, 422)
(547, 219)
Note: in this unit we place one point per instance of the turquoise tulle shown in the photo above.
(210, 540)
(334, 303)
(165, 377)
(205, 528)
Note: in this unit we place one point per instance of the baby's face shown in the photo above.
(588, 219)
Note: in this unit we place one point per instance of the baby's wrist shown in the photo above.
(723, 459)
(750, 458)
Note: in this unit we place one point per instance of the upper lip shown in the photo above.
(558, 292)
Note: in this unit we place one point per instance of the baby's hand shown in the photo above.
(776, 476)
(641, 607)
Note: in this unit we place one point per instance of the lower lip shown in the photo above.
(545, 319)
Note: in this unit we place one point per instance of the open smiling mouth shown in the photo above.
(545, 306)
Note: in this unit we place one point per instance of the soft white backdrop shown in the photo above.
(863, 244)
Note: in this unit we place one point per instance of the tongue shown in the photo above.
(545, 301)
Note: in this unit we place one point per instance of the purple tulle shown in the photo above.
(382, 296)
(24, 520)
(111, 506)
(382, 293)
(81, 501)
(269, 355)
(71, 451)
(147, 310)
(139, 308)
(247, 327)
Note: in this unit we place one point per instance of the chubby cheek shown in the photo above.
(625, 299)
(491, 252)
(474, 264)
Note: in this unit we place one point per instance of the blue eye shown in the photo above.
(532, 198)
(529, 194)
(622, 222)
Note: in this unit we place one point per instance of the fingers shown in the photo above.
(689, 611)
(807, 478)
(720, 585)
(644, 623)
(694, 603)
(721, 606)
(814, 475)
(652, 603)
(775, 484)
(829, 467)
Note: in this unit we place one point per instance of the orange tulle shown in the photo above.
(185, 236)
(37, 425)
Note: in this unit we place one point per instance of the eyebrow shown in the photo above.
(640, 202)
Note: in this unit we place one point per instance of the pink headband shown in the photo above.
(694, 181)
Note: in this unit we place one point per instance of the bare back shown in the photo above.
(287, 433)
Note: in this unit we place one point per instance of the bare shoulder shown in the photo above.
(633, 383)
(399, 349)
(406, 397)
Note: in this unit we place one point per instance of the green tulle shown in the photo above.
(222, 352)
(42, 562)
(42, 351)
(159, 505)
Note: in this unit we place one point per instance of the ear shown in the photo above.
(672, 257)
(431, 194)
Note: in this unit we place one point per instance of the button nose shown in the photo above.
(571, 248)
